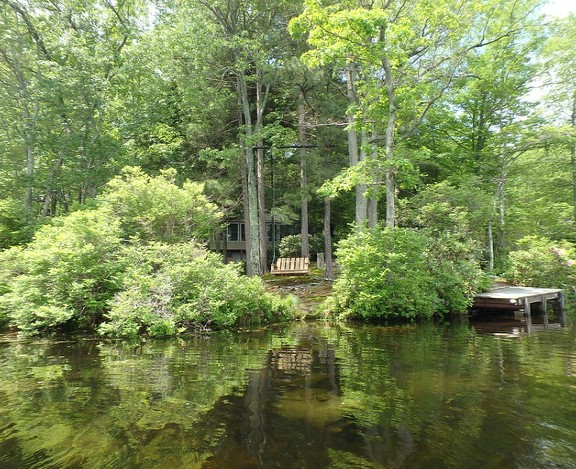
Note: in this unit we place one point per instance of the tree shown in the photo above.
(495, 121)
(562, 58)
(59, 62)
(406, 55)
(249, 31)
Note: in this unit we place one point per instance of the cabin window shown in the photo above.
(233, 232)
(236, 232)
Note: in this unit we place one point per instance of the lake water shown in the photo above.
(304, 396)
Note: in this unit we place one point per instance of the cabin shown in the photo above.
(231, 242)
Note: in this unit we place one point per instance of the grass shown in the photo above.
(312, 290)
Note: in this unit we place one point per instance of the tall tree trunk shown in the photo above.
(261, 98)
(372, 212)
(372, 205)
(248, 241)
(389, 145)
(501, 217)
(303, 178)
(573, 152)
(262, 208)
(253, 265)
(329, 274)
(361, 200)
(353, 137)
(490, 246)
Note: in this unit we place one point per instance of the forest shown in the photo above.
(431, 143)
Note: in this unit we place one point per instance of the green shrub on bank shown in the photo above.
(541, 262)
(156, 209)
(173, 288)
(130, 265)
(66, 276)
(454, 264)
(404, 273)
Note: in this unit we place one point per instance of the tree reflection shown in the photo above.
(417, 396)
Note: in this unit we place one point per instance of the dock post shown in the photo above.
(527, 315)
(561, 306)
(545, 312)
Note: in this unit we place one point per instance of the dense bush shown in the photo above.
(128, 266)
(291, 245)
(171, 288)
(156, 209)
(453, 263)
(541, 262)
(14, 228)
(405, 273)
(65, 276)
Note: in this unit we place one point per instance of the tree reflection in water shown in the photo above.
(417, 396)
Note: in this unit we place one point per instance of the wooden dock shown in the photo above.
(522, 298)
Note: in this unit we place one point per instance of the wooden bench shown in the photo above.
(291, 266)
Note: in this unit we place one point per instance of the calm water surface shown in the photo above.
(307, 396)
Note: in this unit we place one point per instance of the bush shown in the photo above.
(541, 262)
(155, 209)
(291, 245)
(383, 274)
(66, 275)
(404, 273)
(131, 265)
(454, 265)
(172, 288)
(14, 229)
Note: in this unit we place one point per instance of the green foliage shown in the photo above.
(541, 262)
(454, 266)
(80, 268)
(156, 209)
(384, 274)
(291, 246)
(404, 273)
(65, 276)
(171, 288)
(540, 190)
(14, 228)
(445, 207)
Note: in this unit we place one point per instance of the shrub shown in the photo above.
(156, 209)
(383, 274)
(404, 273)
(126, 262)
(14, 228)
(65, 276)
(291, 245)
(541, 262)
(171, 288)
(454, 265)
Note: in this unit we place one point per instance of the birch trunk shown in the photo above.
(253, 265)
(389, 145)
(573, 153)
(304, 234)
(329, 274)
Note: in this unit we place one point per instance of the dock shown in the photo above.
(523, 298)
